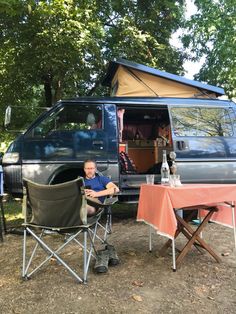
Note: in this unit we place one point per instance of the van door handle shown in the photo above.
(181, 145)
(98, 143)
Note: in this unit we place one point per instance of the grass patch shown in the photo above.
(13, 213)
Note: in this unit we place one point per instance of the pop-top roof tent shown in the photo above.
(126, 78)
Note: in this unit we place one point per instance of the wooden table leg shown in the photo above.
(188, 235)
(180, 227)
(195, 237)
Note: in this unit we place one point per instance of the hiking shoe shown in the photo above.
(113, 257)
(102, 259)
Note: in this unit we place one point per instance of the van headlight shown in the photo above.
(10, 158)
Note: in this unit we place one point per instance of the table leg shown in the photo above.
(233, 220)
(168, 243)
(195, 237)
(188, 235)
(200, 219)
(173, 255)
(150, 239)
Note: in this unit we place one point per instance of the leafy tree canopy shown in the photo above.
(211, 32)
(60, 48)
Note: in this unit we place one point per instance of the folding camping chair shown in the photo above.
(60, 208)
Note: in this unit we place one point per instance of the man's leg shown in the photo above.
(90, 210)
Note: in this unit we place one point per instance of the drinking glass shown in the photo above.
(150, 178)
(175, 180)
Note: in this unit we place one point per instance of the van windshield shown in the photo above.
(69, 117)
(202, 121)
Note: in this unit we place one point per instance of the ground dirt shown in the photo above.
(142, 283)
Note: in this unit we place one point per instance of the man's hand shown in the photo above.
(90, 193)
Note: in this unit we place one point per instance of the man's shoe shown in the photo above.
(102, 259)
(113, 257)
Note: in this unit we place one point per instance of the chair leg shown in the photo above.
(97, 236)
(51, 253)
(108, 226)
(24, 254)
(109, 220)
(85, 255)
(90, 250)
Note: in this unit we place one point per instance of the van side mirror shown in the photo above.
(7, 119)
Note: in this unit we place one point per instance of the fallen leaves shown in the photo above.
(138, 283)
(137, 298)
(201, 291)
(69, 253)
(131, 253)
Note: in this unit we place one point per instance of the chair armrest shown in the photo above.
(94, 201)
(110, 200)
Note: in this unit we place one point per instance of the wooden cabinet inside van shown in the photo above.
(143, 153)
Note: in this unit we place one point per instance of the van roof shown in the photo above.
(148, 101)
(113, 66)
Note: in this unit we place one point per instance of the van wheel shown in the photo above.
(67, 175)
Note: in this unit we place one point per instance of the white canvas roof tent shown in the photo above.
(127, 78)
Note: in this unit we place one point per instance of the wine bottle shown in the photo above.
(165, 170)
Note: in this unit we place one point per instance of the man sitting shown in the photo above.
(100, 186)
(96, 186)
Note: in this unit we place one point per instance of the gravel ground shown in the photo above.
(143, 282)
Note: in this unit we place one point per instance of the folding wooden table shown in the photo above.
(158, 207)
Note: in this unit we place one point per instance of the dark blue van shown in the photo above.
(201, 131)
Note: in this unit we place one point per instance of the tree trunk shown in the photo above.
(47, 81)
(58, 91)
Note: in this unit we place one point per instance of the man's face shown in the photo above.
(89, 169)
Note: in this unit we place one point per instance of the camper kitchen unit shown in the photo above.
(149, 111)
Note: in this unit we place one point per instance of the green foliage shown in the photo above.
(13, 213)
(59, 49)
(211, 32)
(140, 31)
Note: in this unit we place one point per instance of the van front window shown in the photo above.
(195, 121)
(69, 118)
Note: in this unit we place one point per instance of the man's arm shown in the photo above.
(111, 189)
(114, 188)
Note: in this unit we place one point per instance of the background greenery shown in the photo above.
(60, 48)
(211, 33)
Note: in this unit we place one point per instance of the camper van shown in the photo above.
(150, 111)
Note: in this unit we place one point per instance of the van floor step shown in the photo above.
(129, 192)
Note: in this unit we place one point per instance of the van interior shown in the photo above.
(143, 135)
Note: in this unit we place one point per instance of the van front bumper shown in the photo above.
(12, 177)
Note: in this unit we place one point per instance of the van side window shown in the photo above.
(195, 121)
(69, 117)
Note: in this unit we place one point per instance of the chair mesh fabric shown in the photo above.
(56, 206)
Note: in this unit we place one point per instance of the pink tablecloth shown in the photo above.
(156, 203)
